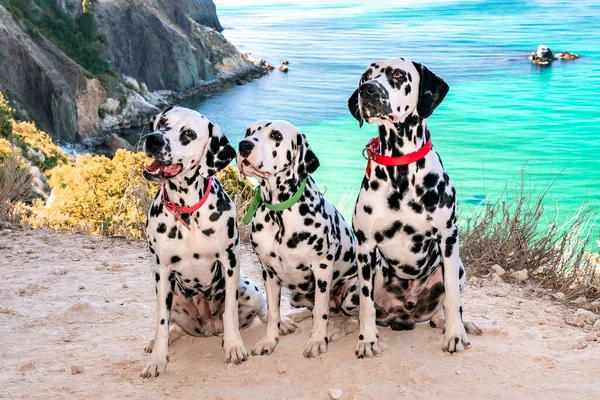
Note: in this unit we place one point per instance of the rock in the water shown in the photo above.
(520, 276)
(77, 369)
(543, 55)
(498, 270)
(115, 142)
(285, 62)
(283, 68)
(334, 394)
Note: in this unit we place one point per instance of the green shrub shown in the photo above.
(6, 113)
(74, 36)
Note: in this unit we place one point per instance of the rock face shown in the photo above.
(38, 78)
(160, 45)
(168, 45)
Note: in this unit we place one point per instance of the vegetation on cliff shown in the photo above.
(75, 36)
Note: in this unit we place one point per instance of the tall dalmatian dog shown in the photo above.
(192, 232)
(406, 214)
(306, 247)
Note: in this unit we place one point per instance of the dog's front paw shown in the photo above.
(315, 347)
(287, 326)
(235, 352)
(265, 347)
(367, 345)
(455, 339)
(149, 346)
(154, 368)
(472, 328)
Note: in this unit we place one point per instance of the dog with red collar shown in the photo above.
(405, 214)
(192, 233)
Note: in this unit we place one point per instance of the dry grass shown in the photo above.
(517, 234)
(15, 186)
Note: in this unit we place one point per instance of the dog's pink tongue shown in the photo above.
(153, 167)
(171, 169)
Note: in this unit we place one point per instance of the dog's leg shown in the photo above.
(299, 315)
(340, 327)
(252, 303)
(165, 285)
(368, 337)
(268, 343)
(437, 321)
(175, 333)
(317, 344)
(455, 335)
(233, 345)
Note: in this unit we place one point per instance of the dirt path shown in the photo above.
(74, 300)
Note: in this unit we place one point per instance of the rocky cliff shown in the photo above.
(157, 49)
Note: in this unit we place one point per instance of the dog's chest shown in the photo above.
(191, 254)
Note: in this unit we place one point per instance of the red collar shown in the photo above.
(178, 211)
(373, 147)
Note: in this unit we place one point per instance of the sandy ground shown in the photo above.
(74, 300)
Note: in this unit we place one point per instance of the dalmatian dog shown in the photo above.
(405, 215)
(307, 247)
(192, 232)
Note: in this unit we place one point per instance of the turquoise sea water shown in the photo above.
(501, 114)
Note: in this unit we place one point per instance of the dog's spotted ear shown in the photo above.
(432, 91)
(218, 153)
(354, 108)
(306, 162)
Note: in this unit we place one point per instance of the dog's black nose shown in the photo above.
(368, 88)
(410, 305)
(245, 148)
(154, 142)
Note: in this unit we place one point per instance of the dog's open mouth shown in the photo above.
(248, 169)
(158, 171)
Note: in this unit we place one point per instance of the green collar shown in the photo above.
(274, 207)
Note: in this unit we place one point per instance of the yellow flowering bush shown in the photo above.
(96, 194)
(110, 197)
(25, 135)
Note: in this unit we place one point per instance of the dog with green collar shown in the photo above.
(302, 241)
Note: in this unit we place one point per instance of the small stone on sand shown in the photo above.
(125, 285)
(4, 310)
(77, 369)
(208, 355)
(560, 296)
(282, 369)
(498, 270)
(81, 287)
(334, 394)
(520, 276)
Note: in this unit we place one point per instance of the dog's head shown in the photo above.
(182, 140)
(392, 89)
(276, 148)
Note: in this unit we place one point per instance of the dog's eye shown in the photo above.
(190, 134)
(162, 122)
(398, 74)
(276, 135)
